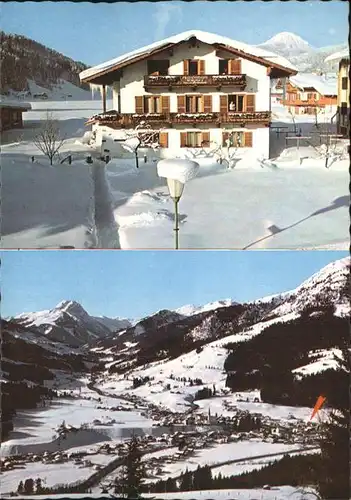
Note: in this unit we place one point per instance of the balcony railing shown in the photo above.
(130, 120)
(194, 80)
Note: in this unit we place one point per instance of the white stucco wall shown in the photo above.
(132, 81)
(260, 142)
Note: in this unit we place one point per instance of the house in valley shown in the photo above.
(343, 100)
(195, 89)
(11, 113)
(307, 93)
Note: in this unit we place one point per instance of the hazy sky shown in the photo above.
(94, 33)
(136, 283)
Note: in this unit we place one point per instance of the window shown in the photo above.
(223, 67)
(235, 139)
(344, 83)
(236, 103)
(193, 68)
(193, 104)
(344, 108)
(152, 104)
(193, 139)
(147, 139)
(158, 67)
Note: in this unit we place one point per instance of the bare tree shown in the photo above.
(49, 140)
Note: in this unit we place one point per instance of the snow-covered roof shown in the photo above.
(342, 54)
(323, 85)
(204, 37)
(7, 103)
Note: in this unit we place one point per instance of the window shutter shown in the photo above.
(163, 140)
(250, 103)
(139, 104)
(248, 139)
(234, 67)
(165, 106)
(181, 103)
(205, 140)
(201, 67)
(186, 67)
(223, 103)
(207, 103)
(183, 139)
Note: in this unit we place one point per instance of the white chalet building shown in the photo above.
(197, 89)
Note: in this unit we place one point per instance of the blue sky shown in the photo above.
(94, 33)
(136, 283)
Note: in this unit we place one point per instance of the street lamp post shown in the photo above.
(177, 172)
(175, 190)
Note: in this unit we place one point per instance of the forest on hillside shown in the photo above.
(22, 58)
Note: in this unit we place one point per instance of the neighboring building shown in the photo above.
(343, 119)
(11, 114)
(307, 93)
(197, 88)
(343, 110)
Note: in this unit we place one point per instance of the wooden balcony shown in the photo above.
(195, 81)
(131, 120)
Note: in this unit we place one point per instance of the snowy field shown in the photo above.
(275, 493)
(221, 453)
(51, 474)
(291, 202)
(36, 428)
(281, 206)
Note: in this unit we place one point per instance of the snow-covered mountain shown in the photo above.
(326, 292)
(330, 285)
(300, 53)
(283, 347)
(70, 323)
(289, 43)
(190, 309)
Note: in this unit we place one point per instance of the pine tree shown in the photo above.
(20, 487)
(28, 488)
(334, 481)
(38, 486)
(186, 483)
(133, 471)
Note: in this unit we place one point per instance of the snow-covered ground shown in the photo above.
(51, 474)
(37, 427)
(282, 205)
(275, 493)
(222, 453)
(44, 206)
(249, 465)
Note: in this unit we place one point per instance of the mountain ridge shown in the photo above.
(300, 53)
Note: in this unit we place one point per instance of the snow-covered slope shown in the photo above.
(288, 43)
(60, 90)
(330, 285)
(300, 53)
(70, 323)
(190, 309)
(303, 325)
